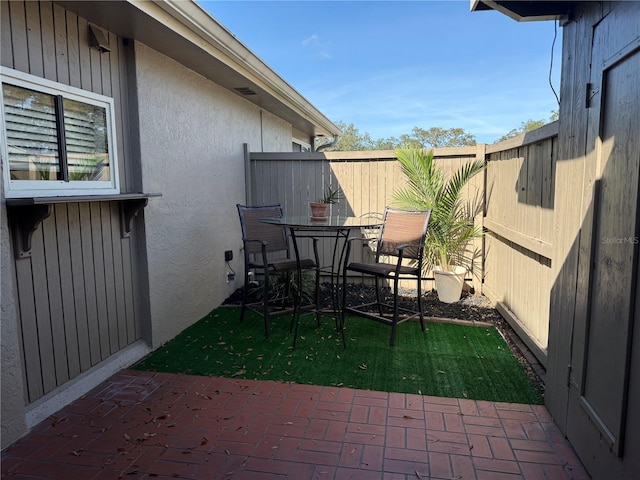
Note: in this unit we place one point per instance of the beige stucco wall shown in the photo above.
(12, 401)
(192, 139)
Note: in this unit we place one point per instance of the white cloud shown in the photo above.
(318, 47)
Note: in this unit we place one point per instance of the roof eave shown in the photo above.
(522, 11)
(184, 31)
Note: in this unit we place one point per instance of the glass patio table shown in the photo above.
(336, 227)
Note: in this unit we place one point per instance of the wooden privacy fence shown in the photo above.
(519, 194)
(368, 180)
(517, 189)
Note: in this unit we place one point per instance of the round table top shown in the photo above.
(329, 223)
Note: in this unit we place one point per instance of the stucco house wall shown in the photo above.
(12, 400)
(191, 142)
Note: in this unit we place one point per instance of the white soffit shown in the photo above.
(184, 31)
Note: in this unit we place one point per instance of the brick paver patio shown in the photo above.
(143, 425)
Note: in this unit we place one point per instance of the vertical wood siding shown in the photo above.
(74, 308)
(76, 291)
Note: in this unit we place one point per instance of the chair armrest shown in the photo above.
(347, 252)
(262, 242)
(403, 247)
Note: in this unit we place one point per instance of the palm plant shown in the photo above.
(331, 195)
(451, 227)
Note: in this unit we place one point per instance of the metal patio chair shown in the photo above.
(402, 237)
(266, 252)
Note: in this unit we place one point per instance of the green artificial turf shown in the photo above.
(447, 360)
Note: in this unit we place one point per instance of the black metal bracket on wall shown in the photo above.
(128, 211)
(25, 220)
(26, 214)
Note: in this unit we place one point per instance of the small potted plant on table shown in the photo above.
(320, 207)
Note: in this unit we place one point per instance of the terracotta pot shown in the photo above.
(319, 210)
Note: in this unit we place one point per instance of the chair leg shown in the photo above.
(297, 304)
(265, 304)
(378, 302)
(420, 304)
(394, 323)
(295, 321)
(341, 312)
(245, 295)
(318, 315)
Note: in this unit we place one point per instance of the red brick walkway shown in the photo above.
(143, 425)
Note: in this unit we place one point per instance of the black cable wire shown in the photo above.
(553, 44)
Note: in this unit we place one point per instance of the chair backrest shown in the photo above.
(254, 229)
(403, 227)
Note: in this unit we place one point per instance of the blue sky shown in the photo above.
(387, 66)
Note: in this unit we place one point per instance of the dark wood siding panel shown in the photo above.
(79, 287)
(89, 283)
(6, 47)
(109, 278)
(61, 44)
(75, 295)
(34, 38)
(73, 51)
(44, 333)
(19, 36)
(48, 41)
(95, 239)
(570, 169)
(120, 313)
(65, 253)
(29, 329)
(54, 288)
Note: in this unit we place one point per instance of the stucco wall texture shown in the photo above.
(12, 419)
(192, 136)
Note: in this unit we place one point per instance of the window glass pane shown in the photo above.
(85, 128)
(32, 143)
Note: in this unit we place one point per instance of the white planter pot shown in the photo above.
(449, 284)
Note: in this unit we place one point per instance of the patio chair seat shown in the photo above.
(387, 270)
(284, 265)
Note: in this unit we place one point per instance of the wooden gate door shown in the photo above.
(606, 307)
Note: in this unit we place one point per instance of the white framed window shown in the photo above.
(57, 140)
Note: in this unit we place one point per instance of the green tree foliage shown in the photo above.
(351, 140)
(435, 137)
(529, 125)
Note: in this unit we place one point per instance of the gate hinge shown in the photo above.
(591, 92)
